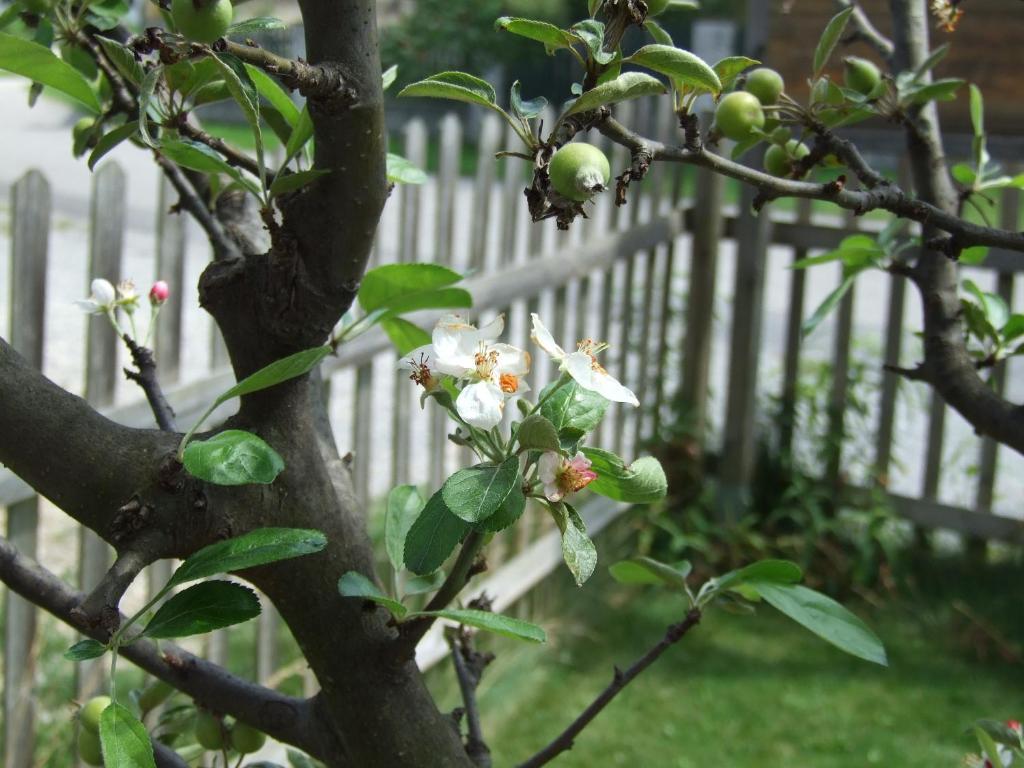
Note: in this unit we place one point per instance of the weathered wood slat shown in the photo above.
(30, 224)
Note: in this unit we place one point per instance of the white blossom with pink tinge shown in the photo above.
(562, 476)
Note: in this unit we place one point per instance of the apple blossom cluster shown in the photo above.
(105, 299)
(475, 376)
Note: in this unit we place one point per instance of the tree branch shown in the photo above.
(888, 197)
(867, 31)
(469, 668)
(146, 378)
(320, 82)
(285, 718)
(564, 740)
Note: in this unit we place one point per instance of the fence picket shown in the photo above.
(30, 223)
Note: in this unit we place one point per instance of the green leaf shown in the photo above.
(123, 59)
(645, 570)
(642, 482)
(432, 537)
(124, 739)
(458, 86)
(10, 15)
(199, 157)
(290, 182)
(682, 66)
(578, 551)
(385, 286)
(974, 255)
(510, 510)
(388, 77)
(766, 571)
(492, 622)
(84, 650)
(536, 432)
(591, 34)
(541, 31)
(571, 407)
(404, 335)
(829, 39)
(275, 95)
(146, 91)
(1013, 327)
(989, 748)
(111, 139)
(233, 457)
(244, 92)
(831, 302)
(993, 306)
(418, 585)
(731, 67)
(593, 6)
(940, 90)
(403, 507)
(354, 584)
(203, 608)
(932, 61)
(658, 32)
(255, 24)
(824, 617)
(629, 85)
(401, 171)
(258, 547)
(525, 109)
(977, 111)
(277, 372)
(40, 65)
(301, 133)
(474, 494)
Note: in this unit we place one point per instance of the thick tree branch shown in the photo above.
(888, 197)
(287, 719)
(565, 739)
(868, 32)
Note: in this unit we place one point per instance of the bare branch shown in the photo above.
(285, 718)
(867, 31)
(565, 739)
(146, 378)
(469, 668)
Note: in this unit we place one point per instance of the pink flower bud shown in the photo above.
(159, 293)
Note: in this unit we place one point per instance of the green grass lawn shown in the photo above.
(750, 690)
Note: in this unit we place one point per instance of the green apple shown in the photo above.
(89, 750)
(860, 74)
(209, 730)
(781, 135)
(738, 115)
(89, 716)
(202, 21)
(781, 160)
(578, 171)
(246, 739)
(766, 84)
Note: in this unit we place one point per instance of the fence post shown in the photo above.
(106, 239)
(30, 224)
(753, 233)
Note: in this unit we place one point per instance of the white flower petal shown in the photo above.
(548, 466)
(512, 359)
(492, 330)
(581, 368)
(103, 292)
(89, 305)
(480, 405)
(542, 338)
(420, 356)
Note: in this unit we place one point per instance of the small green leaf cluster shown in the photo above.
(981, 176)
(775, 582)
(992, 331)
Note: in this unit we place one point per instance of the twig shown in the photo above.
(868, 32)
(283, 717)
(100, 608)
(564, 740)
(146, 378)
(469, 668)
(233, 156)
(888, 197)
(411, 632)
(319, 82)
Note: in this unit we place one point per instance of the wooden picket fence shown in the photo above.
(642, 277)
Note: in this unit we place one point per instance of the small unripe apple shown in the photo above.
(766, 84)
(578, 171)
(245, 739)
(781, 135)
(89, 716)
(209, 730)
(738, 115)
(157, 692)
(202, 21)
(89, 750)
(781, 160)
(860, 74)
